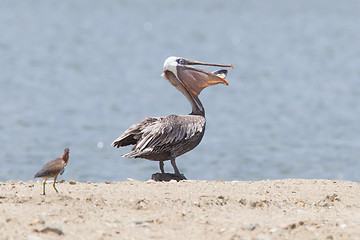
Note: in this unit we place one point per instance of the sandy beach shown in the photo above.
(270, 209)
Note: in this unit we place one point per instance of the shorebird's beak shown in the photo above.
(197, 79)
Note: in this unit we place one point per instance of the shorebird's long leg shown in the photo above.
(161, 163)
(54, 183)
(175, 167)
(44, 187)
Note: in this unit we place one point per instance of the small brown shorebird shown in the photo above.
(53, 168)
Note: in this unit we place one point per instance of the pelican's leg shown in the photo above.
(44, 187)
(54, 184)
(161, 163)
(175, 167)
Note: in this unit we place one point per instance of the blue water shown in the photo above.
(78, 73)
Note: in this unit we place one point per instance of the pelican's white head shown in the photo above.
(170, 65)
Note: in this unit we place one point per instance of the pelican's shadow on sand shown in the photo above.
(167, 177)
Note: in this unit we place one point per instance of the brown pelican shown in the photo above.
(165, 138)
(53, 168)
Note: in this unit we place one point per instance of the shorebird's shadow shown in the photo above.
(167, 177)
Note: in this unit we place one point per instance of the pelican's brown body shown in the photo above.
(165, 138)
(53, 168)
(168, 138)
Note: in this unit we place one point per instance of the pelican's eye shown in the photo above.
(181, 61)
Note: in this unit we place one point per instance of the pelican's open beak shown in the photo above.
(197, 79)
(192, 62)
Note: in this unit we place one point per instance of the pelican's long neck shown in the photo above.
(196, 105)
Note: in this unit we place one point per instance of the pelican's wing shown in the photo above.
(166, 131)
(134, 133)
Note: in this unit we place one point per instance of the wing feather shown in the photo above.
(132, 135)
